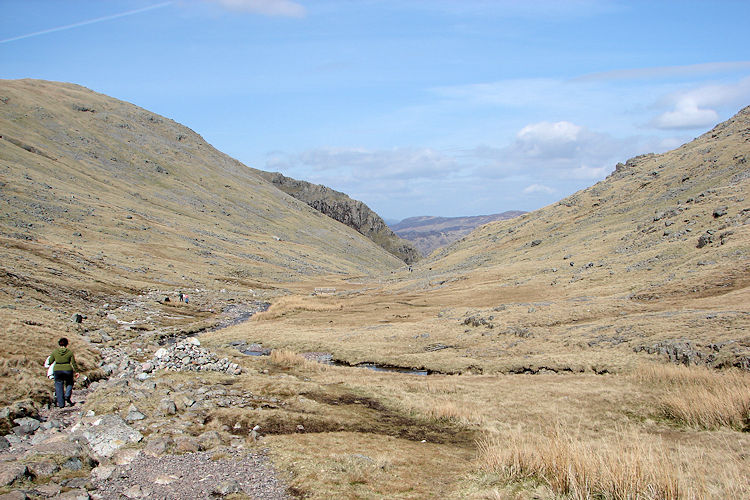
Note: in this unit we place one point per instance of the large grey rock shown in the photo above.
(167, 407)
(45, 468)
(14, 495)
(4, 443)
(134, 414)
(11, 472)
(108, 434)
(47, 490)
(26, 425)
(58, 446)
(77, 494)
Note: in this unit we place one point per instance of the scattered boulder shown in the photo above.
(108, 434)
(58, 446)
(134, 414)
(102, 472)
(209, 440)
(14, 495)
(186, 444)
(124, 456)
(45, 468)
(47, 490)
(705, 239)
(157, 446)
(76, 494)
(11, 472)
(26, 425)
(167, 407)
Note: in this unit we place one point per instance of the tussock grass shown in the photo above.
(700, 397)
(290, 359)
(629, 467)
(294, 303)
(454, 412)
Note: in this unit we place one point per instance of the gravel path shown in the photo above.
(213, 474)
(195, 475)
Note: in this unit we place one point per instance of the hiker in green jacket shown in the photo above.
(65, 368)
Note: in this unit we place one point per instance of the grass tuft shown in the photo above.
(628, 467)
(290, 359)
(700, 397)
(289, 304)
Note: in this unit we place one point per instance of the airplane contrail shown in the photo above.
(85, 23)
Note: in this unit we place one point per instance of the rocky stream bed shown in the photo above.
(138, 452)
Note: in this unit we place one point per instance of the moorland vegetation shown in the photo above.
(595, 348)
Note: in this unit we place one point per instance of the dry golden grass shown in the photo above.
(355, 465)
(27, 343)
(700, 397)
(454, 411)
(628, 467)
(550, 314)
(289, 304)
(286, 358)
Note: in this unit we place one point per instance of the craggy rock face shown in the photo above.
(353, 213)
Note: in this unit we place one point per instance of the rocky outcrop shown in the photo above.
(342, 208)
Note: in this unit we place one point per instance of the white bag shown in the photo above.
(50, 368)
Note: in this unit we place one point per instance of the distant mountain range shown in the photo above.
(429, 233)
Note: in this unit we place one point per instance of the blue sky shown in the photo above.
(415, 107)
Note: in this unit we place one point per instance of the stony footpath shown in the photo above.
(137, 450)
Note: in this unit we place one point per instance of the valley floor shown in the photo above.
(526, 398)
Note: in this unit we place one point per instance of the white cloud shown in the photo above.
(538, 188)
(586, 172)
(697, 108)
(396, 163)
(560, 149)
(549, 140)
(283, 8)
(686, 114)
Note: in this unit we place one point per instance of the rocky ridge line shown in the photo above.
(342, 208)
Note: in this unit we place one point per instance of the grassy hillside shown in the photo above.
(596, 348)
(654, 258)
(102, 201)
(581, 332)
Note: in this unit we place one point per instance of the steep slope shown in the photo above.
(429, 233)
(106, 209)
(651, 263)
(342, 208)
(654, 259)
(92, 174)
